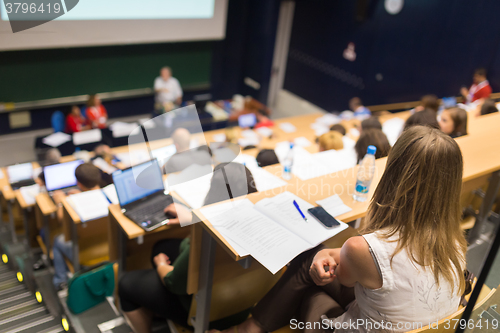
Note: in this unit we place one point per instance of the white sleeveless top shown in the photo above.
(408, 299)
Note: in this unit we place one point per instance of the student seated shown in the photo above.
(480, 88)
(162, 291)
(371, 122)
(263, 120)
(339, 128)
(266, 157)
(406, 268)
(489, 106)
(360, 111)
(96, 112)
(454, 122)
(75, 122)
(331, 140)
(424, 118)
(184, 157)
(373, 137)
(52, 156)
(429, 102)
(88, 178)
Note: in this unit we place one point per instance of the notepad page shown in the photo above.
(268, 242)
(334, 205)
(280, 208)
(265, 180)
(89, 205)
(29, 193)
(110, 192)
(80, 138)
(194, 191)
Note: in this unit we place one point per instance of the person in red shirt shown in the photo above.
(263, 120)
(75, 122)
(480, 88)
(96, 112)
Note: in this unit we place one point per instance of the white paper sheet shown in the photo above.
(245, 142)
(249, 134)
(121, 129)
(334, 205)
(89, 205)
(302, 142)
(265, 181)
(133, 157)
(281, 149)
(56, 139)
(221, 137)
(265, 131)
(348, 142)
(249, 161)
(81, 138)
(194, 191)
(328, 120)
(336, 160)
(288, 127)
(103, 165)
(147, 123)
(393, 129)
(110, 192)
(29, 193)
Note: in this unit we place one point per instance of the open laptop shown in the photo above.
(61, 176)
(141, 194)
(247, 120)
(20, 175)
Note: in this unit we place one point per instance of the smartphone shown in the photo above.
(323, 217)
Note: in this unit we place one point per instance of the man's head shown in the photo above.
(88, 177)
(355, 103)
(479, 75)
(52, 156)
(166, 73)
(181, 138)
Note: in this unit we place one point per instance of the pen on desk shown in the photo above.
(298, 208)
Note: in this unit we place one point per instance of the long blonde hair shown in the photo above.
(418, 197)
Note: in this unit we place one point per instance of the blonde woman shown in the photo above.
(405, 271)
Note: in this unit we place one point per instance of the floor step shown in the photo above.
(46, 324)
(15, 289)
(19, 308)
(4, 276)
(15, 300)
(24, 318)
(9, 284)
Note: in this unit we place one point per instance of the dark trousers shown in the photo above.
(295, 295)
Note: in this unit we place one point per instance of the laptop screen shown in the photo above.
(62, 175)
(138, 182)
(163, 154)
(20, 172)
(247, 120)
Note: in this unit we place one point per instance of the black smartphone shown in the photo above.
(323, 217)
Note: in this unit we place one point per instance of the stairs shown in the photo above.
(19, 309)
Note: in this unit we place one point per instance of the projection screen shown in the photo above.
(115, 22)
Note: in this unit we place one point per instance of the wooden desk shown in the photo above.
(45, 210)
(487, 123)
(25, 210)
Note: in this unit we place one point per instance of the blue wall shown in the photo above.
(431, 46)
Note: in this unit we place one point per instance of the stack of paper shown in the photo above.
(288, 127)
(272, 230)
(221, 137)
(265, 181)
(302, 142)
(103, 165)
(110, 192)
(265, 131)
(56, 139)
(89, 205)
(81, 138)
(29, 193)
(334, 205)
(121, 129)
(134, 157)
(392, 129)
(147, 123)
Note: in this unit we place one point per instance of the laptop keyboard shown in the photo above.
(154, 209)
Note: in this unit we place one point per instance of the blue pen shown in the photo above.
(298, 208)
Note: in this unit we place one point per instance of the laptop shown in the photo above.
(141, 194)
(20, 175)
(61, 176)
(247, 120)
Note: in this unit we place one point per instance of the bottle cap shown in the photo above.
(291, 145)
(371, 150)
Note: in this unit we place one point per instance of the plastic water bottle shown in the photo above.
(366, 172)
(288, 163)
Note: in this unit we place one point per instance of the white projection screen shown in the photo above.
(115, 22)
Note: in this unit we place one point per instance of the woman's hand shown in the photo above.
(322, 269)
(179, 212)
(161, 259)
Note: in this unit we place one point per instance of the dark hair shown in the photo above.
(424, 118)
(374, 137)
(91, 101)
(489, 106)
(267, 157)
(227, 182)
(459, 118)
(88, 175)
(339, 128)
(371, 122)
(480, 71)
(430, 102)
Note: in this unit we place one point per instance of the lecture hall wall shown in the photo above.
(431, 46)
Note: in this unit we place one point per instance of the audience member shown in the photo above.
(75, 122)
(331, 140)
(96, 112)
(184, 157)
(339, 128)
(263, 120)
(454, 122)
(374, 137)
(88, 178)
(357, 107)
(424, 118)
(231, 134)
(52, 156)
(266, 157)
(168, 90)
(429, 102)
(489, 106)
(371, 122)
(480, 87)
(412, 246)
(162, 291)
